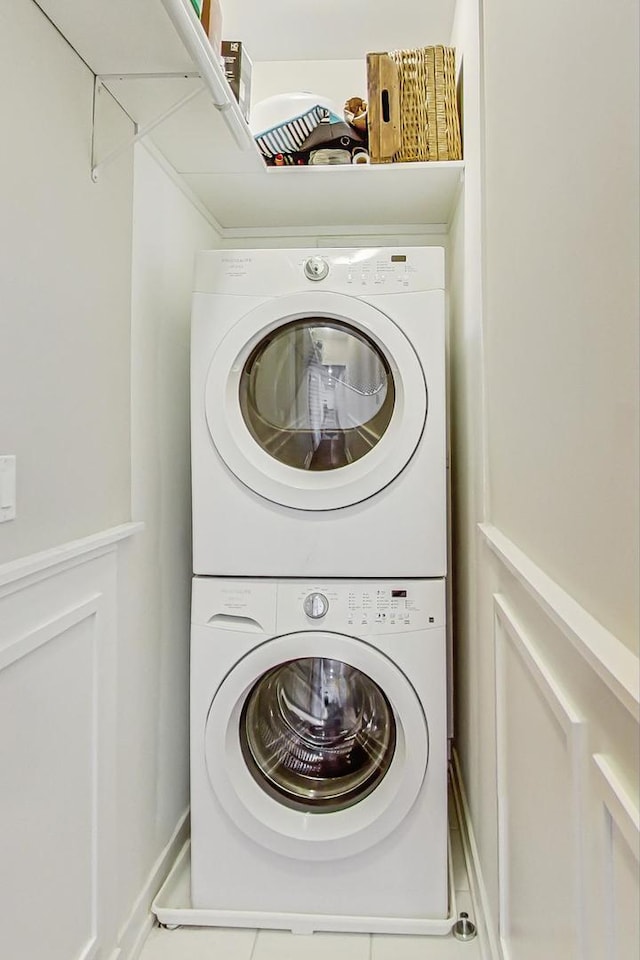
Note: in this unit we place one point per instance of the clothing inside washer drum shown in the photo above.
(317, 734)
(317, 394)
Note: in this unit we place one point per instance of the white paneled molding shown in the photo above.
(541, 743)
(21, 573)
(614, 663)
(568, 825)
(58, 729)
(616, 890)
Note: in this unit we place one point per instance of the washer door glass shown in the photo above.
(317, 734)
(317, 394)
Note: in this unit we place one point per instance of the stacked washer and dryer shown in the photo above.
(318, 642)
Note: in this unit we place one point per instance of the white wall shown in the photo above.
(548, 603)
(474, 705)
(153, 677)
(562, 294)
(65, 282)
(94, 611)
(64, 412)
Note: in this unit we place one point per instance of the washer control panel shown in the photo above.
(355, 607)
(361, 607)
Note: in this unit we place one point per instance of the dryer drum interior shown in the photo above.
(317, 734)
(317, 393)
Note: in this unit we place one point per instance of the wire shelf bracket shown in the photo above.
(101, 88)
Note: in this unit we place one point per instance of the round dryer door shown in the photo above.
(316, 401)
(341, 737)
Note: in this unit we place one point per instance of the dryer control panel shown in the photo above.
(393, 270)
(352, 271)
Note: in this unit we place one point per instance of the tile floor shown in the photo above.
(200, 943)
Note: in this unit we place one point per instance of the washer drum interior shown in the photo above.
(317, 734)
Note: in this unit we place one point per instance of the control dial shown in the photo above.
(316, 605)
(316, 268)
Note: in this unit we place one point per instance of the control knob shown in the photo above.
(316, 268)
(316, 606)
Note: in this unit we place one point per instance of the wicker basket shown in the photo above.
(418, 120)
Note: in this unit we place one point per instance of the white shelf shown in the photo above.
(333, 196)
(150, 54)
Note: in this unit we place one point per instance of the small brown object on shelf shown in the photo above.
(355, 113)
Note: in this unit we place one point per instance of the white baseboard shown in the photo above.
(489, 942)
(136, 929)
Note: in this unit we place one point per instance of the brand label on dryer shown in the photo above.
(235, 598)
(236, 266)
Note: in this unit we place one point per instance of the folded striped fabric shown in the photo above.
(289, 136)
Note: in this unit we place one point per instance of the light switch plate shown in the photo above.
(7, 488)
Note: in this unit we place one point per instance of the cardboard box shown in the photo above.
(237, 70)
(211, 19)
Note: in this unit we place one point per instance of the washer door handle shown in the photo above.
(231, 622)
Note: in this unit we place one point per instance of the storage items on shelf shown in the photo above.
(413, 109)
(209, 144)
(211, 19)
(329, 157)
(383, 115)
(360, 156)
(237, 70)
(293, 128)
(411, 115)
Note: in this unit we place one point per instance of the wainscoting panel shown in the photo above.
(49, 799)
(567, 756)
(617, 834)
(57, 752)
(540, 749)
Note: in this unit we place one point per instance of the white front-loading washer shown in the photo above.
(318, 413)
(318, 754)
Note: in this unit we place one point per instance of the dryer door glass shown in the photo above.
(317, 394)
(317, 734)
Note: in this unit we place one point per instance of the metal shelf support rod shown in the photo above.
(196, 43)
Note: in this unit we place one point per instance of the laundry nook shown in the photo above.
(319, 480)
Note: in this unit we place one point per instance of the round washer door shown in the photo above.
(316, 745)
(315, 401)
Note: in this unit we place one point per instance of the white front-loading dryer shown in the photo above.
(318, 754)
(318, 413)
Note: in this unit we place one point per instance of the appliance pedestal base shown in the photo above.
(172, 907)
